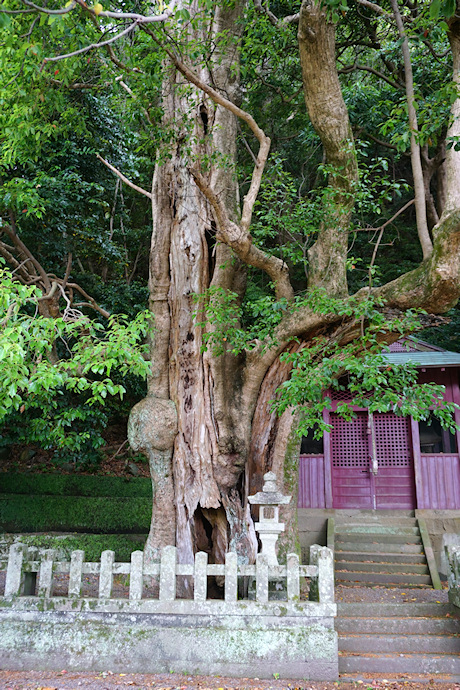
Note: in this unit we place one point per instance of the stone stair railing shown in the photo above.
(453, 558)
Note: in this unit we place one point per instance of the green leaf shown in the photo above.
(435, 9)
(5, 20)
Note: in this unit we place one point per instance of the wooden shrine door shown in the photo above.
(353, 483)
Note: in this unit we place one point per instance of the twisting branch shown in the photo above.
(91, 301)
(356, 66)
(239, 239)
(24, 251)
(92, 46)
(29, 271)
(124, 178)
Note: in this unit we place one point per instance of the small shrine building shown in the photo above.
(384, 461)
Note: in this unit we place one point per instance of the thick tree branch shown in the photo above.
(329, 116)
(22, 249)
(240, 241)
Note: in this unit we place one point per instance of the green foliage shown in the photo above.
(43, 358)
(442, 8)
(361, 368)
(223, 317)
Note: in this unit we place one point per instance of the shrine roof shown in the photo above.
(410, 350)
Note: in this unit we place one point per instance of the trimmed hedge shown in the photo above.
(102, 515)
(73, 485)
(92, 544)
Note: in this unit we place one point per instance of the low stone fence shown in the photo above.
(453, 558)
(153, 629)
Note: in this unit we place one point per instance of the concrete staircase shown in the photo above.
(394, 640)
(382, 549)
(390, 549)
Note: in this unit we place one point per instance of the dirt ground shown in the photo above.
(106, 680)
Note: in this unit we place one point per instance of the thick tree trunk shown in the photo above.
(202, 465)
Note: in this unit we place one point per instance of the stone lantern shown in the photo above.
(269, 528)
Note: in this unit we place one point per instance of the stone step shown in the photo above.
(410, 610)
(345, 546)
(395, 579)
(408, 626)
(380, 557)
(377, 520)
(448, 664)
(389, 677)
(342, 564)
(400, 644)
(374, 538)
(377, 529)
(358, 514)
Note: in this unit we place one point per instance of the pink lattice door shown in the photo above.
(353, 483)
(395, 479)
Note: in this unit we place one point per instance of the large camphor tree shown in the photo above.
(207, 424)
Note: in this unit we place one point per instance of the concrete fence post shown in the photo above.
(325, 563)
(200, 578)
(106, 574)
(168, 573)
(292, 576)
(45, 578)
(261, 578)
(231, 576)
(136, 576)
(75, 572)
(14, 574)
